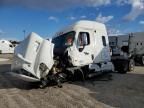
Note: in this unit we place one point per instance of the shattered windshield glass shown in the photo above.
(64, 40)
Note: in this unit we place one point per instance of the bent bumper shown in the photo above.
(24, 77)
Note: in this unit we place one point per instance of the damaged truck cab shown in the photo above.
(84, 43)
(82, 47)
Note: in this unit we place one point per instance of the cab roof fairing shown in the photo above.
(85, 24)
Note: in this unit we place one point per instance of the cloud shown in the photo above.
(137, 6)
(53, 18)
(96, 3)
(141, 22)
(83, 17)
(72, 18)
(123, 2)
(113, 31)
(136, 10)
(55, 4)
(103, 19)
(75, 18)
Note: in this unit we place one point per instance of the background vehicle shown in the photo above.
(6, 47)
(136, 46)
(128, 48)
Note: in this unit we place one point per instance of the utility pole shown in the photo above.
(24, 31)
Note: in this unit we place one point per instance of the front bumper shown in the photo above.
(24, 77)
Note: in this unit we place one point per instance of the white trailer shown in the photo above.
(80, 48)
(6, 47)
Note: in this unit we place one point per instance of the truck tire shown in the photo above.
(131, 65)
(142, 60)
(123, 68)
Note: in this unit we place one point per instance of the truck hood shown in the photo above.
(33, 58)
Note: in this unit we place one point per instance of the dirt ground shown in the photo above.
(123, 91)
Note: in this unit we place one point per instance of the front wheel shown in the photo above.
(142, 60)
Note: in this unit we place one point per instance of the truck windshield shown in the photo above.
(64, 40)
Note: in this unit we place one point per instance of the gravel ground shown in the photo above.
(123, 91)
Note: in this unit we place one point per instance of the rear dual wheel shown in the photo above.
(123, 67)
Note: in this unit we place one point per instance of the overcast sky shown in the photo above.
(45, 17)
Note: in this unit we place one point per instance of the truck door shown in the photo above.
(84, 47)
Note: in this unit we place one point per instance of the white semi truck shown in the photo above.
(80, 48)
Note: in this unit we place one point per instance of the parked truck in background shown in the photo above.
(129, 48)
(120, 56)
(82, 48)
(136, 46)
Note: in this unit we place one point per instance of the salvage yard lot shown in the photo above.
(124, 91)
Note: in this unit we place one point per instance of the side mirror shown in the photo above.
(85, 40)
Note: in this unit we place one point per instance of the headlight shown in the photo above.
(43, 67)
